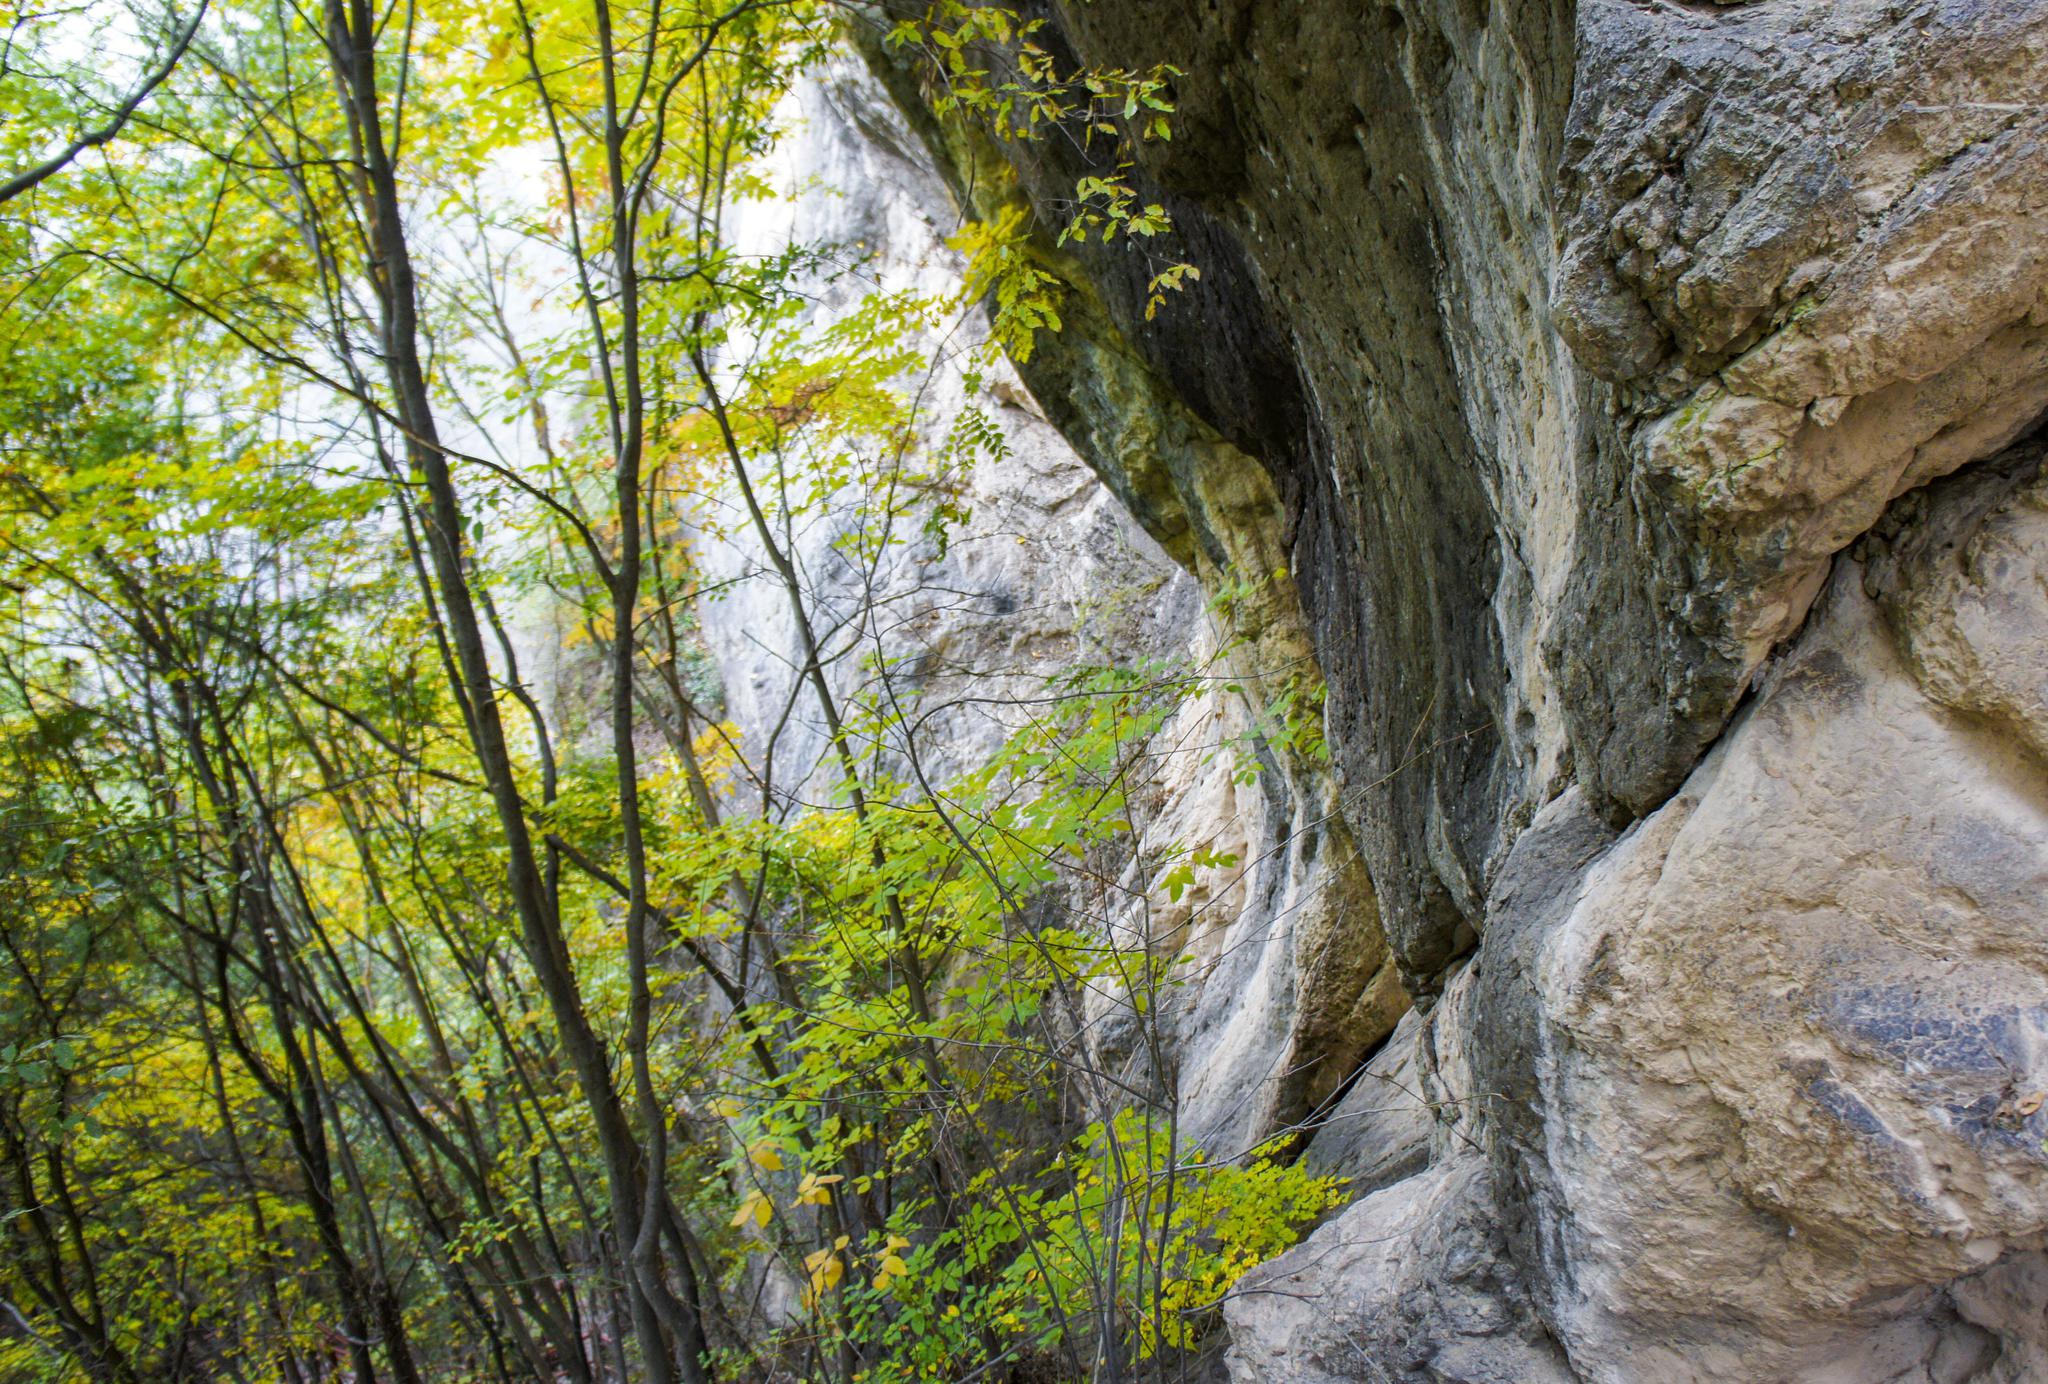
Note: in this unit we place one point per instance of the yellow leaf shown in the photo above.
(812, 1190)
(755, 1208)
(825, 1269)
(766, 1157)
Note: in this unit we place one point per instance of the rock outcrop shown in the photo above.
(1642, 399)
(1285, 983)
(1754, 1090)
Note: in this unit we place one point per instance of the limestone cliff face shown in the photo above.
(1642, 398)
(1288, 982)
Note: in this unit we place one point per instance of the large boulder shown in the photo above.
(1763, 1084)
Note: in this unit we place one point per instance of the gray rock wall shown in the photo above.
(1755, 1090)
(1286, 982)
(1642, 399)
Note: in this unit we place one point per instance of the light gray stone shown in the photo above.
(1792, 1045)
(1379, 1133)
(1283, 979)
(1636, 394)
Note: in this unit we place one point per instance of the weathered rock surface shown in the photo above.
(1789, 1032)
(1577, 340)
(1804, 243)
(1763, 1083)
(1286, 983)
(1642, 402)
(1580, 344)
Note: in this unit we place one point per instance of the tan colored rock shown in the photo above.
(1643, 386)
(1762, 1087)
(1960, 588)
(1414, 1280)
(1794, 1045)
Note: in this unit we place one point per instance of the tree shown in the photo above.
(371, 1010)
